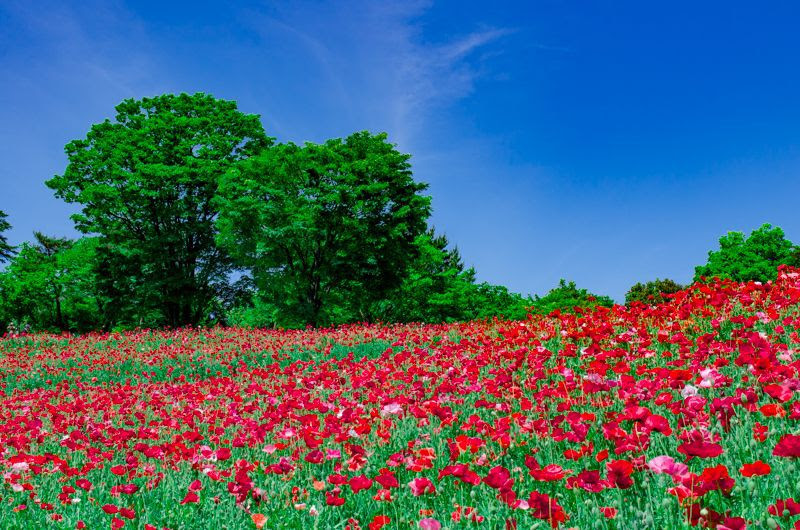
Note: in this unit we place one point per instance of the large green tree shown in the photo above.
(327, 230)
(753, 258)
(146, 182)
(6, 250)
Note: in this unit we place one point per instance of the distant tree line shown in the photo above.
(192, 215)
(740, 258)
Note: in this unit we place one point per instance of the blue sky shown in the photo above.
(603, 142)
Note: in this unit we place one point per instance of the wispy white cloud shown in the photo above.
(372, 60)
(436, 75)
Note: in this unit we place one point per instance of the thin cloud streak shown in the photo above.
(372, 60)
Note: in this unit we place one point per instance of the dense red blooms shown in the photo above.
(506, 424)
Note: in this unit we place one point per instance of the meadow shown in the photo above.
(683, 414)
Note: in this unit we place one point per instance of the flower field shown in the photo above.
(679, 415)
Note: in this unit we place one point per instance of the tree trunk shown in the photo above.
(59, 317)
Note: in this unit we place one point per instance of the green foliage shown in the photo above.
(6, 250)
(490, 301)
(566, 297)
(327, 230)
(652, 292)
(437, 288)
(372, 349)
(146, 183)
(753, 258)
(184, 191)
(259, 313)
(52, 285)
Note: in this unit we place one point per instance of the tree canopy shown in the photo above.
(192, 215)
(146, 182)
(327, 229)
(652, 292)
(567, 297)
(435, 288)
(6, 250)
(438, 288)
(753, 258)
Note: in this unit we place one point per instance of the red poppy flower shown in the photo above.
(619, 473)
(379, 521)
(733, 523)
(190, 497)
(700, 449)
(548, 473)
(760, 432)
(757, 468)
(544, 507)
(788, 445)
(387, 479)
(259, 520)
(314, 457)
(359, 483)
(781, 393)
(588, 480)
(715, 478)
(332, 498)
(773, 410)
(609, 512)
(499, 478)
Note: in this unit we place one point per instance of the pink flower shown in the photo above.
(668, 465)
(421, 485)
(430, 524)
(391, 408)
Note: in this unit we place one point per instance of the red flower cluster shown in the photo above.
(688, 407)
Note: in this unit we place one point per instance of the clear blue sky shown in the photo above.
(604, 142)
